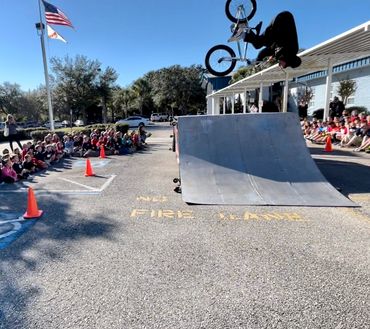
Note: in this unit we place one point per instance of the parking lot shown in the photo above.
(122, 250)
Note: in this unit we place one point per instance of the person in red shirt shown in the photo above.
(25, 148)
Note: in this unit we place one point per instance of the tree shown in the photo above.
(178, 88)
(123, 99)
(10, 95)
(76, 82)
(305, 97)
(246, 71)
(346, 89)
(104, 89)
(141, 91)
(33, 105)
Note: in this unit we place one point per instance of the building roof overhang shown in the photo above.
(348, 46)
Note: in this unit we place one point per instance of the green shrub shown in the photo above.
(359, 109)
(66, 131)
(39, 135)
(100, 126)
(28, 131)
(122, 127)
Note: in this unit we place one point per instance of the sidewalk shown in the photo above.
(5, 145)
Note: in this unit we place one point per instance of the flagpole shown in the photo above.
(51, 116)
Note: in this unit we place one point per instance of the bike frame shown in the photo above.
(241, 45)
(242, 52)
(224, 57)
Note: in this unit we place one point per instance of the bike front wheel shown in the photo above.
(220, 60)
(240, 10)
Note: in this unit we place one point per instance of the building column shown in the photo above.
(224, 105)
(233, 103)
(327, 88)
(217, 105)
(260, 99)
(213, 105)
(209, 105)
(245, 101)
(286, 93)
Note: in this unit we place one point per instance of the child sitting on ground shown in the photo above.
(68, 145)
(59, 151)
(18, 167)
(28, 164)
(39, 158)
(87, 148)
(8, 174)
(49, 155)
(25, 147)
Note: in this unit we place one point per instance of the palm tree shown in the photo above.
(123, 98)
(141, 90)
(104, 89)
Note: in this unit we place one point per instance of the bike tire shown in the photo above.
(228, 68)
(251, 10)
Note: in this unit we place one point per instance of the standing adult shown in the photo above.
(336, 108)
(11, 127)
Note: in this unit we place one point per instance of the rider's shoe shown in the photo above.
(258, 28)
(251, 36)
(238, 32)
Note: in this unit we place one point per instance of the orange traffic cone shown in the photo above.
(102, 152)
(89, 170)
(32, 210)
(328, 146)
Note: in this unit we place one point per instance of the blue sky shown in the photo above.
(135, 37)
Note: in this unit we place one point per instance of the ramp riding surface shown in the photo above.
(250, 159)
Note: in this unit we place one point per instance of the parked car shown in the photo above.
(66, 123)
(135, 121)
(159, 117)
(57, 124)
(79, 123)
(32, 124)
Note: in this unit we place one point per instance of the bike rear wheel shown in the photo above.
(231, 10)
(220, 60)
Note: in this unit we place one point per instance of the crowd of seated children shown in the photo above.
(348, 130)
(22, 164)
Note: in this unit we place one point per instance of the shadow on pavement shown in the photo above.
(349, 177)
(338, 151)
(54, 236)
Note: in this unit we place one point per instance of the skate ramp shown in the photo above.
(250, 159)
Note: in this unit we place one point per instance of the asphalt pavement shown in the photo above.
(122, 250)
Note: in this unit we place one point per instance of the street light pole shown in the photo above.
(71, 113)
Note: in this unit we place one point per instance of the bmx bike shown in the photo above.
(221, 59)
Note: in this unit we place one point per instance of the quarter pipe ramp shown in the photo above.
(250, 159)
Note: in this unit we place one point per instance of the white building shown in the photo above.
(358, 70)
(346, 56)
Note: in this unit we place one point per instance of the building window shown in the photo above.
(351, 100)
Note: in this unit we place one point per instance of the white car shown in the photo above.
(159, 117)
(78, 123)
(57, 124)
(135, 121)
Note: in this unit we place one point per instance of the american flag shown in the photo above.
(55, 16)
